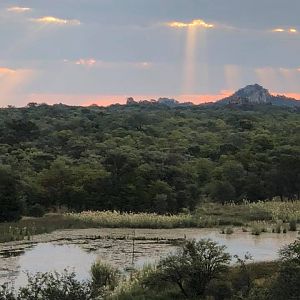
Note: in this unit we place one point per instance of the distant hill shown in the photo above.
(256, 94)
(164, 101)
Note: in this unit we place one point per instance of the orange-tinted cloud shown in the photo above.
(55, 21)
(195, 23)
(18, 9)
(287, 30)
(86, 62)
(6, 71)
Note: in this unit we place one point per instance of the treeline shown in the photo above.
(145, 157)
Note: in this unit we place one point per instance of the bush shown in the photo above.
(219, 290)
(193, 267)
(6, 293)
(287, 286)
(52, 286)
(10, 205)
(291, 253)
(293, 225)
(36, 211)
(104, 276)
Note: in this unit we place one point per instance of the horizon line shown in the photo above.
(105, 100)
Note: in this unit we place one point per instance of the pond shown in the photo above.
(76, 250)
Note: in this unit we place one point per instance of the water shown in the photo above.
(78, 254)
(50, 257)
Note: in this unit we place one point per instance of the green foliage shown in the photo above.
(192, 268)
(50, 286)
(293, 225)
(104, 276)
(286, 286)
(291, 253)
(220, 289)
(10, 205)
(6, 293)
(36, 210)
(146, 157)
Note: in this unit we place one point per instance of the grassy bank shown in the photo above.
(272, 216)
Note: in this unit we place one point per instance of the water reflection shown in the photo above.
(77, 255)
(49, 257)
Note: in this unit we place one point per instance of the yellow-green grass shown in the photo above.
(113, 219)
(206, 215)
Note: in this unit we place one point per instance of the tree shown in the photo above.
(291, 253)
(160, 192)
(220, 191)
(58, 183)
(10, 205)
(194, 266)
(287, 286)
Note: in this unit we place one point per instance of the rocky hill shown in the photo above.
(256, 94)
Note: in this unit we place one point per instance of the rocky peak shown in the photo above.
(253, 94)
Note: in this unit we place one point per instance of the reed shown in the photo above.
(115, 219)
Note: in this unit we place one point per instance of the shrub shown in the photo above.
(193, 267)
(287, 284)
(104, 276)
(51, 286)
(219, 289)
(36, 211)
(6, 293)
(291, 252)
(293, 225)
(10, 205)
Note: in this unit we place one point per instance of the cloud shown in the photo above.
(56, 21)
(86, 62)
(287, 30)
(91, 62)
(194, 23)
(6, 71)
(293, 30)
(18, 9)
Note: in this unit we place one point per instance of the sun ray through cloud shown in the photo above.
(193, 30)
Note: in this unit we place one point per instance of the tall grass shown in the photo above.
(27, 227)
(115, 219)
(279, 210)
(206, 216)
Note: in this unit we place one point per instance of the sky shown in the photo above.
(81, 52)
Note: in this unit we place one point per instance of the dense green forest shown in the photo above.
(145, 157)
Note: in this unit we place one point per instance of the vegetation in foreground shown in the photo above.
(271, 216)
(199, 270)
(145, 157)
